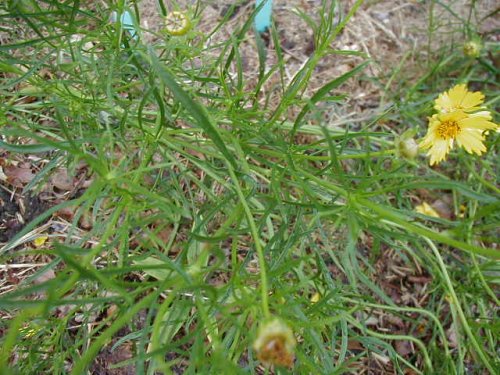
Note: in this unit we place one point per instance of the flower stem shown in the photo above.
(256, 239)
(460, 312)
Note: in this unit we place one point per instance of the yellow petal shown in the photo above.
(439, 150)
(484, 114)
(426, 209)
(458, 98)
(443, 103)
(472, 100)
(452, 116)
(457, 93)
(477, 123)
(471, 141)
(431, 136)
(428, 140)
(316, 297)
(39, 241)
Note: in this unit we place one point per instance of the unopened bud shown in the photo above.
(275, 344)
(472, 49)
(408, 148)
(177, 23)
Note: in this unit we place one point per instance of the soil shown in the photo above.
(16, 213)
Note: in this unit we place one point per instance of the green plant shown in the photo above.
(216, 202)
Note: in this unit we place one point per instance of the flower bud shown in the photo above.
(275, 344)
(472, 49)
(177, 23)
(408, 148)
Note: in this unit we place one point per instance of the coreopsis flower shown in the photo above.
(459, 98)
(177, 23)
(464, 128)
(275, 344)
(426, 209)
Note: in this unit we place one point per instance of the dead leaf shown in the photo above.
(443, 207)
(86, 221)
(66, 213)
(111, 311)
(394, 320)
(18, 176)
(355, 345)
(12, 278)
(452, 335)
(403, 347)
(420, 279)
(87, 183)
(62, 180)
(47, 275)
(164, 234)
(3, 176)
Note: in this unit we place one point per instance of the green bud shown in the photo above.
(472, 49)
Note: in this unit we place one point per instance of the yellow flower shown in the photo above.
(275, 344)
(459, 98)
(426, 209)
(466, 129)
(177, 23)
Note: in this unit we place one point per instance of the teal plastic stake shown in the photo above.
(263, 17)
(127, 23)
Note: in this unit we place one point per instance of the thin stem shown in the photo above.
(256, 239)
(460, 312)
(402, 221)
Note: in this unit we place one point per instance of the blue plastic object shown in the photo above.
(263, 17)
(127, 22)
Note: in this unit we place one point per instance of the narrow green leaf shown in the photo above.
(322, 92)
(197, 111)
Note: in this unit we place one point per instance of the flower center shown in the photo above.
(448, 129)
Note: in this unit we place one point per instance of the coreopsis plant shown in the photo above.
(460, 119)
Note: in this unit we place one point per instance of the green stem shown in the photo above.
(280, 155)
(411, 310)
(326, 184)
(402, 221)
(256, 238)
(460, 312)
(385, 336)
(158, 362)
(470, 226)
(108, 333)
